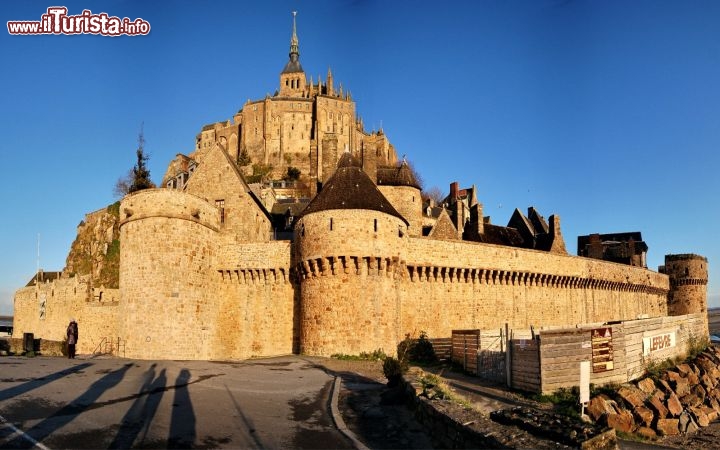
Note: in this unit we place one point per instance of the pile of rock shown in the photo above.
(680, 400)
(552, 426)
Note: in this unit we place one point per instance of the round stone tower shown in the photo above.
(688, 284)
(399, 186)
(167, 248)
(348, 255)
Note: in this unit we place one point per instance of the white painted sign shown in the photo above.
(657, 342)
(584, 381)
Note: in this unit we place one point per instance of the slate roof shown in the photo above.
(292, 67)
(609, 238)
(396, 176)
(351, 188)
(495, 234)
(280, 208)
(42, 277)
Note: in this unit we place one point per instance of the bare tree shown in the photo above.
(433, 193)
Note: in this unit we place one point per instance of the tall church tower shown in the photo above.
(292, 77)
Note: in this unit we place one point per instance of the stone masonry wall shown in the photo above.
(255, 301)
(167, 244)
(407, 201)
(453, 285)
(66, 299)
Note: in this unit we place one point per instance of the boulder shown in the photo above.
(714, 404)
(700, 417)
(699, 391)
(662, 384)
(684, 369)
(675, 408)
(690, 401)
(632, 395)
(622, 421)
(600, 406)
(673, 376)
(711, 414)
(681, 386)
(667, 427)
(643, 415)
(646, 385)
(687, 423)
(707, 382)
(658, 407)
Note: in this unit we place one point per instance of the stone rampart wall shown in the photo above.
(66, 299)
(168, 250)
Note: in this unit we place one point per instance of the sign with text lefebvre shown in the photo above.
(602, 349)
(657, 342)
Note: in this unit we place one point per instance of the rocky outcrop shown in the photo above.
(681, 400)
(96, 249)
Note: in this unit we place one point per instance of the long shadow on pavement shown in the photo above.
(68, 413)
(34, 384)
(139, 416)
(182, 424)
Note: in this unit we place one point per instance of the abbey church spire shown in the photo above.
(294, 48)
(292, 77)
(293, 66)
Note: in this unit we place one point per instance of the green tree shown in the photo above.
(138, 178)
(243, 158)
(141, 174)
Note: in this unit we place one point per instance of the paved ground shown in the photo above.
(118, 403)
(283, 402)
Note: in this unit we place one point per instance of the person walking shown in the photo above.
(72, 337)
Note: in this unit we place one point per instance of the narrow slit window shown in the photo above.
(375, 224)
(220, 205)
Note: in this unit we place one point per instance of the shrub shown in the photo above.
(393, 371)
(417, 350)
(375, 355)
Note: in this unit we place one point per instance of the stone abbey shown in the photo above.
(227, 261)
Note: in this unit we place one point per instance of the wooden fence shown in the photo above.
(714, 321)
(618, 352)
(442, 348)
(525, 365)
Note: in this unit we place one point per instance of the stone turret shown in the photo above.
(349, 240)
(688, 275)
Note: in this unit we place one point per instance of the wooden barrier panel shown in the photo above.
(618, 352)
(465, 344)
(714, 321)
(525, 365)
(442, 348)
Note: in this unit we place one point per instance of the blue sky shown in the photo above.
(604, 112)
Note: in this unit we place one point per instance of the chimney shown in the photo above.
(558, 243)
(454, 188)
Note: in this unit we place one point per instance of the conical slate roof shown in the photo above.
(350, 188)
(396, 176)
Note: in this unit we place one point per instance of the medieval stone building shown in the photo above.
(360, 263)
